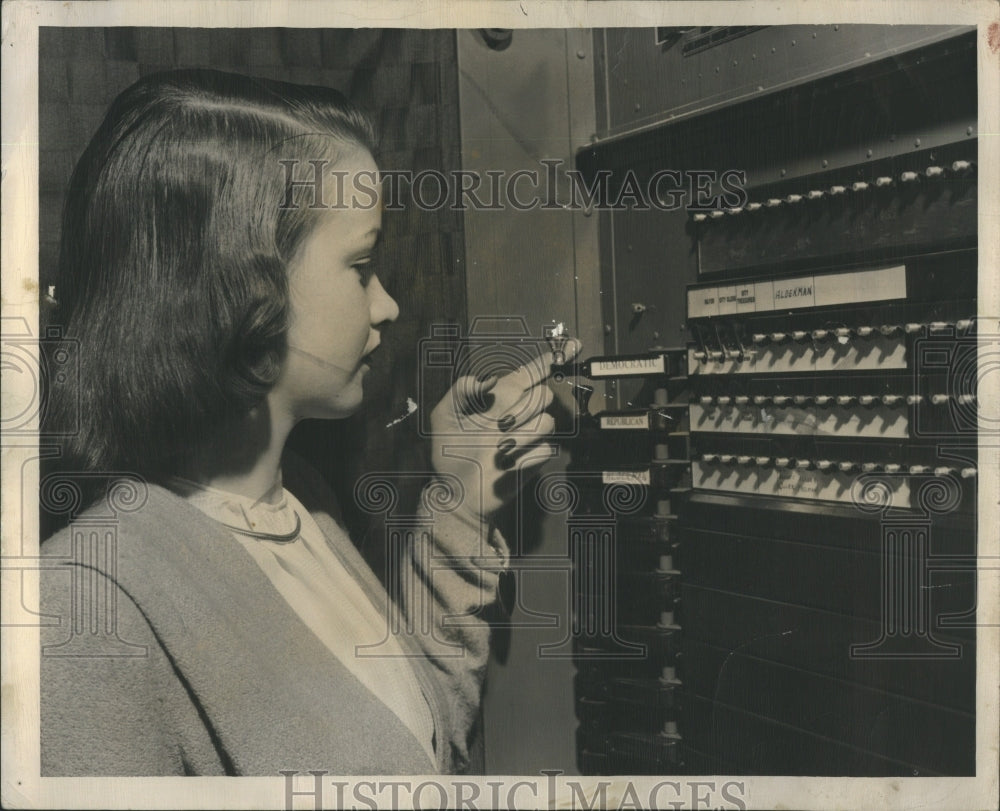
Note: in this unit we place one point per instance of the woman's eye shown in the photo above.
(365, 271)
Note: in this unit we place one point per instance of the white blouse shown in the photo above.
(311, 577)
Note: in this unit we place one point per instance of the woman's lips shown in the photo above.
(367, 357)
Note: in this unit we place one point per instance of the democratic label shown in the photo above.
(623, 367)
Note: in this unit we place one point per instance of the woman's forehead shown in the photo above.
(354, 226)
(354, 182)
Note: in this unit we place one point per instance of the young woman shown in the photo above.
(215, 304)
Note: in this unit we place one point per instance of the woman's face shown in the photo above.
(337, 303)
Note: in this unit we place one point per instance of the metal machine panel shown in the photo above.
(646, 82)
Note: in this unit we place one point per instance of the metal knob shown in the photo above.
(666, 619)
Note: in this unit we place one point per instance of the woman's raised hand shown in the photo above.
(491, 434)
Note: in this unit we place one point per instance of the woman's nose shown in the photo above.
(383, 306)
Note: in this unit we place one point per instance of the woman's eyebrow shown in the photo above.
(374, 235)
(367, 242)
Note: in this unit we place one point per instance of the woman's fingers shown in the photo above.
(515, 398)
(523, 410)
(527, 434)
(537, 370)
(472, 395)
(534, 454)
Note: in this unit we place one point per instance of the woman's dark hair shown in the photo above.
(175, 240)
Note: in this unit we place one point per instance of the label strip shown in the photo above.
(771, 295)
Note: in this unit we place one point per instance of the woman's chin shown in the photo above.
(346, 405)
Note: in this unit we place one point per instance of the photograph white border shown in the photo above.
(19, 211)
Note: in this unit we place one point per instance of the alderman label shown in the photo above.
(628, 366)
(625, 422)
(769, 295)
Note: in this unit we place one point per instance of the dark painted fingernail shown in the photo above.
(507, 444)
(506, 423)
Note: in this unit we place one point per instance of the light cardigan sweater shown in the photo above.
(229, 680)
